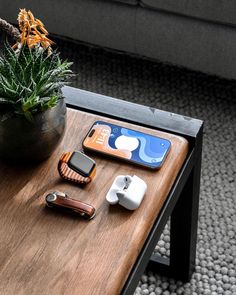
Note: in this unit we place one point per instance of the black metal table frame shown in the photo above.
(183, 200)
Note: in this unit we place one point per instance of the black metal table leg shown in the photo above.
(183, 229)
(184, 219)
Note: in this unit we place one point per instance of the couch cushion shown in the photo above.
(222, 11)
(132, 2)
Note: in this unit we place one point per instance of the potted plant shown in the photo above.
(32, 108)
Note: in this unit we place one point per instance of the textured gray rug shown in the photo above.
(208, 98)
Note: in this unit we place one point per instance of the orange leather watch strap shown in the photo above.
(68, 174)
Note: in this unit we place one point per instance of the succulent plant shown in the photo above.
(31, 80)
(31, 74)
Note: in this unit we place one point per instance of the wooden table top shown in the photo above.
(45, 252)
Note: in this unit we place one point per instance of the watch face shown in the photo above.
(81, 164)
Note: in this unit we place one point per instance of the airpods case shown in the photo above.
(128, 191)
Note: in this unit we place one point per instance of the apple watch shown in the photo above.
(76, 167)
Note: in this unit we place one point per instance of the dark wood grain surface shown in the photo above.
(45, 252)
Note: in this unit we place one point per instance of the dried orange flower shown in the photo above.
(32, 31)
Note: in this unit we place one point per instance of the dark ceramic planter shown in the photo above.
(21, 140)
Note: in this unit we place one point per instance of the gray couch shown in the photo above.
(197, 34)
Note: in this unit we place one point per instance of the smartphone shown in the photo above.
(127, 144)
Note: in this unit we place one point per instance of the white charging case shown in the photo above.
(128, 191)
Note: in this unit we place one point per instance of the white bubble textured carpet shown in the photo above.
(197, 95)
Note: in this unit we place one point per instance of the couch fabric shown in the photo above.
(180, 32)
(202, 46)
(223, 11)
(103, 23)
(133, 2)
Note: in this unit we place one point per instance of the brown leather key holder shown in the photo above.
(76, 167)
(59, 200)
